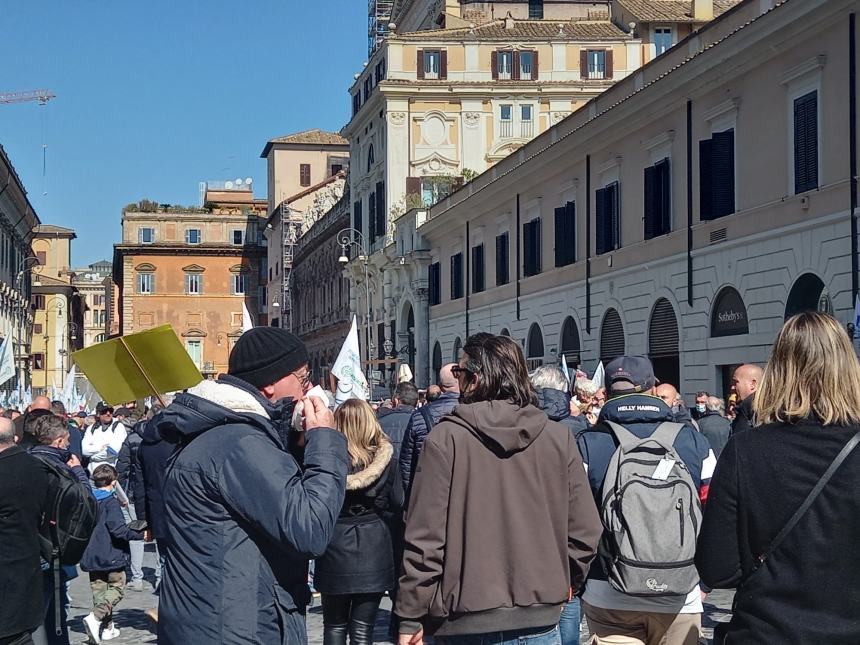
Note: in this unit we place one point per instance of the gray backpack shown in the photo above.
(651, 516)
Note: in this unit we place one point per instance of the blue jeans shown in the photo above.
(568, 625)
(533, 636)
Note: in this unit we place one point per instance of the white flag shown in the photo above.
(7, 361)
(247, 321)
(564, 370)
(69, 389)
(598, 376)
(27, 399)
(351, 383)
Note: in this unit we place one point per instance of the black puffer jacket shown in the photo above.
(152, 456)
(128, 462)
(556, 405)
(359, 558)
(744, 418)
(243, 518)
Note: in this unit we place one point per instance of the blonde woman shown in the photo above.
(358, 566)
(800, 587)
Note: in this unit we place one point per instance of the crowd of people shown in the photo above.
(500, 506)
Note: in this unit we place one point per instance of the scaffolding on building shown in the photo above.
(378, 17)
(291, 229)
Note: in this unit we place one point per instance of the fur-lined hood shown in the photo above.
(371, 474)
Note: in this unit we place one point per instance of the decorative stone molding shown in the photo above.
(558, 117)
(472, 119)
(397, 118)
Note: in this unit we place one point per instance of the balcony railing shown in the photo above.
(506, 129)
(527, 129)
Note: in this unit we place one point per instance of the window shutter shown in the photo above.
(413, 186)
(664, 190)
(608, 63)
(536, 247)
(502, 259)
(494, 63)
(527, 245)
(356, 212)
(371, 217)
(381, 215)
(583, 64)
(456, 276)
(535, 66)
(706, 207)
(560, 234)
(651, 206)
(571, 231)
(599, 221)
(443, 63)
(723, 173)
(806, 143)
(478, 282)
(420, 67)
(515, 71)
(614, 234)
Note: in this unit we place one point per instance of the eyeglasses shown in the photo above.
(456, 370)
(304, 378)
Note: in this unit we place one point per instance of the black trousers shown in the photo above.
(344, 609)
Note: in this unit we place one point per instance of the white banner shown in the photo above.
(7, 360)
(347, 368)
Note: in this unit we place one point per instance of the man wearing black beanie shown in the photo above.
(243, 514)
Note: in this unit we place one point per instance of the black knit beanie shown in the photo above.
(265, 355)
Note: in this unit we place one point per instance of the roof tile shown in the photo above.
(524, 30)
(670, 10)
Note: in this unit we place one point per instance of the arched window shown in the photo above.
(100, 338)
(808, 294)
(437, 361)
(663, 342)
(729, 316)
(569, 346)
(611, 337)
(534, 347)
(458, 345)
(370, 157)
(505, 332)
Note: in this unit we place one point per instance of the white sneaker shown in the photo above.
(110, 632)
(93, 626)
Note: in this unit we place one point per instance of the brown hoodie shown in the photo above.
(501, 523)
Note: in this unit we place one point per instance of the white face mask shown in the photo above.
(700, 408)
(596, 411)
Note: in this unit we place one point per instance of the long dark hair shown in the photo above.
(500, 367)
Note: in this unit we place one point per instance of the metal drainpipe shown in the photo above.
(588, 244)
(852, 134)
(519, 268)
(467, 252)
(690, 203)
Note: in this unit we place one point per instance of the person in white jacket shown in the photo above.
(103, 440)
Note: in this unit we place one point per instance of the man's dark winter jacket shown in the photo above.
(75, 439)
(416, 433)
(716, 429)
(807, 591)
(394, 424)
(149, 501)
(556, 405)
(744, 418)
(23, 499)
(108, 548)
(501, 523)
(243, 517)
(641, 415)
(128, 462)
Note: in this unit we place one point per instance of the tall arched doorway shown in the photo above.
(808, 293)
(611, 337)
(405, 341)
(534, 347)
(437, 361)
(505, 332)
(569, 346)
(663, 343)
(458, 345)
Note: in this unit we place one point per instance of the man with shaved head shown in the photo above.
(423, 419)
(39, 403)
(670, 396)
(745, 382)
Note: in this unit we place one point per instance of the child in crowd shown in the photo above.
(107, 556)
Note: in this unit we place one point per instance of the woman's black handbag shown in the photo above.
(720, 631)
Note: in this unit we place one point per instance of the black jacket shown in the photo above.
(128, 462)
(23, 498)
(149, 501)
(807, 592)
(416, 432)
(58, 458)
(108, 547)
(744, 419)
(716, 429)
(360, 556)
(394, 424)
(556, 405)
(243, 517)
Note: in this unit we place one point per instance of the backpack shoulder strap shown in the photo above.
(667, 432)
(428, 418)
(813, 495)
(625, 438)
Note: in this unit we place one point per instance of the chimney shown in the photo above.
(509, 21)
(703, 10)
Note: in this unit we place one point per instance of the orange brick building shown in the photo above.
(192, 269)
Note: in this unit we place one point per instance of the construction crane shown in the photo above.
(42, 96)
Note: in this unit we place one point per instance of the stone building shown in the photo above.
(18, 221)
(683, 214)
(192, 268)
(90, 283)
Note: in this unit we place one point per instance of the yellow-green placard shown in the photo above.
(150, 363)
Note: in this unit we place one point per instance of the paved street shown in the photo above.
(134, 626)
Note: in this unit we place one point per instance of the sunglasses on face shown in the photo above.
(456, 370)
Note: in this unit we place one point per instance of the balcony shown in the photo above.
(506, 129)
(527, 129)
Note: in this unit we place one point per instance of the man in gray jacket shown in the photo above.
(244, 516)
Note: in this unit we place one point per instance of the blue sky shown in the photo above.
(155, 96)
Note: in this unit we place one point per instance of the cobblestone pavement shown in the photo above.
(135, 629)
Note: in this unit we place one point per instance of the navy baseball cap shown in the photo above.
(631, 374)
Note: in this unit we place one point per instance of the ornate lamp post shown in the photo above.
(351, 237)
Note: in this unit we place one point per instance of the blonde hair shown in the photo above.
(813, 370)
(356, 420)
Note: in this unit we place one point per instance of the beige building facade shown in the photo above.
(682, 214)
(90, 282)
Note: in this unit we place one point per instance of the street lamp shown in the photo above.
(25, 266)
(351, 237)
(49, 306)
